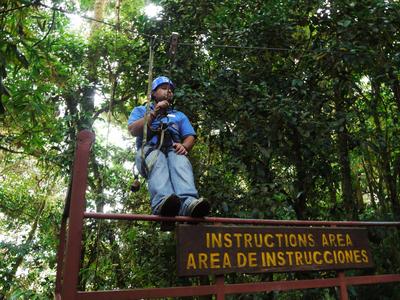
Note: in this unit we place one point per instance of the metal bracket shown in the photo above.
(173, 44)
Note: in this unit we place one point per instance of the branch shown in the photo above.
(10, 150)
(48, 32)
(107, 108)
(15, 8)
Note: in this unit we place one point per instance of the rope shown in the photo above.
(148, 101)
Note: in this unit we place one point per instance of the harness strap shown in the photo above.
(146, 167)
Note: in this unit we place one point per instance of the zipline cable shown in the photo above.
(199, 44)
(238, 47)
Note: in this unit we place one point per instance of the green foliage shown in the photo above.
(299, 120)
(29, 211)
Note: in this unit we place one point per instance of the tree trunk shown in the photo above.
(302, 181)
(345, 171)
(395, 84)
(343, 152)
(371, 185)
(359, 194)
(385, 153)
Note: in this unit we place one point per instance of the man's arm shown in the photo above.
(136, 128)
(186, 145)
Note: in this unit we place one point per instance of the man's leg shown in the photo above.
(182, 180)
(162, 198)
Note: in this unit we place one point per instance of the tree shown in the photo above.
(295, 106)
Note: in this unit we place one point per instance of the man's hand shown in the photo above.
(161, 106)
(180, 149)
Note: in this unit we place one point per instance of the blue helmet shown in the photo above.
(160, 80)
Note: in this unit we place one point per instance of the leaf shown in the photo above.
(3, 89)
(22, 59)
(297, 82)
(345, 23)
(225, 207)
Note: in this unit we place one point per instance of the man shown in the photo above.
(170, 137)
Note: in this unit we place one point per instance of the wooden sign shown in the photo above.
(203, 250)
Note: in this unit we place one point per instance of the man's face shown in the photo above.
(163, 92)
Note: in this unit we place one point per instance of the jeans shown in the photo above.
(170, 173)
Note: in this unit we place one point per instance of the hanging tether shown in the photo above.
(146, 115)
(172, 51)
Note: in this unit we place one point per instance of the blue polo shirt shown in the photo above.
(179, 125)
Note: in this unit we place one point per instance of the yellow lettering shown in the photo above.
(349, 242)
(271, 258)
(302, 240)
(289, 254)
(340, 240)
(308, 257)
(286, 240)
(258, 240)
(208, 240)
(268, 243)
(357, 256)
(247, 240)
(191, 264)
(252, 259)
(326, 259)
(203, 261)
(324, 240)
(364, 256)
(311, 240)
(281, 258)
(349, 256)
(227, 240)
(341, 257)
(241, 259)
(318, 261)
(214, 260)
(216, 240)
(279, 236)
(227, 261)
(263, 262)
(332, 239)
(292, 240)
(238, 237)
(335, 257)
(299, 258)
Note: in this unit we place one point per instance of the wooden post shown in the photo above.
(70, 274)
(343, 286)
(220, 282)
